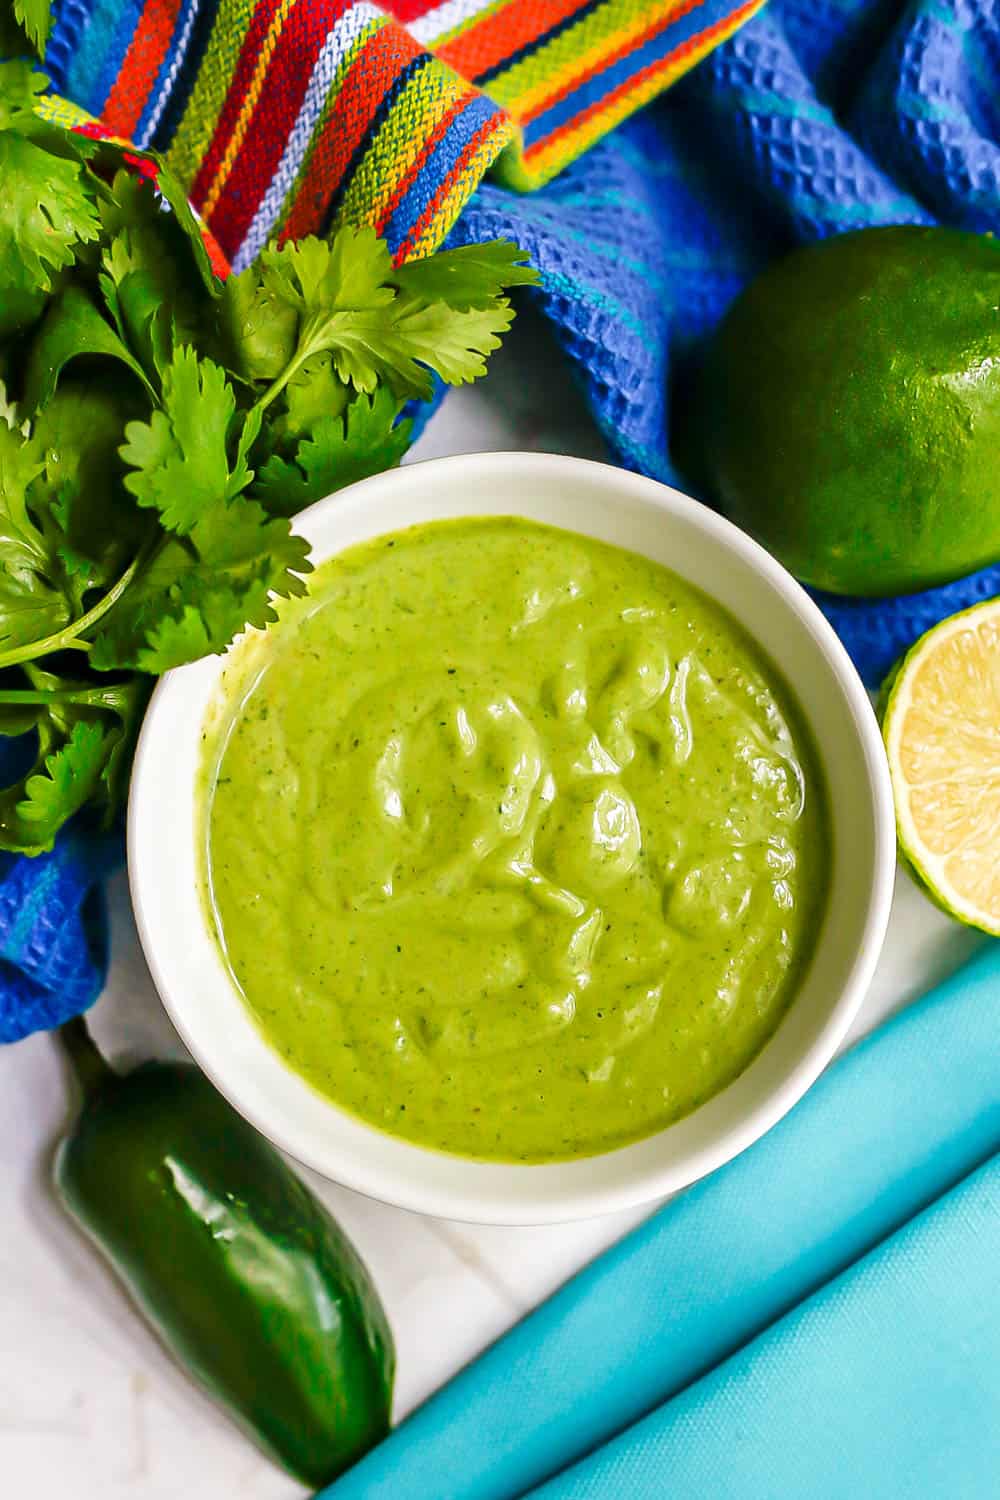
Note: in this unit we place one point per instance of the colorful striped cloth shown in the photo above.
(285, 117)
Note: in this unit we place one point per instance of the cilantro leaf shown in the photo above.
(454, 344)
(32, 602)
(34, 16)
(65, 711)
(199, 629)
(172, 192)
(8, 411)
(376, 331)
(255, 328)
(72, 326)
(69, 778)
(20, 87)
(470, 276)
(199, 591)
(24, 287)
(96, 526)
(47, 211)
(318, 276)
(179, 457)
(18, 310)
(364, 440)
(314, 392)
(13, 42)
(141, 317)
(366, 351)
(401, 345)
(127, 700)
(63, 781)
(149, 281)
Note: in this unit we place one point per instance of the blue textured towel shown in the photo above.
(53, 934)
(818, 117)
(889, 1128)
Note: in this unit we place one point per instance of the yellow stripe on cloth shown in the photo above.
(397, 146)
(577, 50)
(249, 105)
(430, 235)
(208, 97)
(530, 169)
(58, 111)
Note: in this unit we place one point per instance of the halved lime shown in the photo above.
(942, 732)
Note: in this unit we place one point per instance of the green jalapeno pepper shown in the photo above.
(238, 1267)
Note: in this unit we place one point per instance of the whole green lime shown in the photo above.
(847, 413)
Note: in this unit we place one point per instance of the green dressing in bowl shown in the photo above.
(515, 843)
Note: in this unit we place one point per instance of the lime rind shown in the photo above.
(895, 697)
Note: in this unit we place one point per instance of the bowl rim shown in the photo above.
(480, 1205)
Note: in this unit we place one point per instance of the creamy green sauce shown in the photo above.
(514, 841)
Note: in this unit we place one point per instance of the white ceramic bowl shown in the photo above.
(646, 517)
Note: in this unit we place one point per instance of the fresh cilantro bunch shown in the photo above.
(159, 427)
(24, 27)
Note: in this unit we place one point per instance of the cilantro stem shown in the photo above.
(65, 640)
(88, 697)
(310, 343)
(280, 381)
(68, 638)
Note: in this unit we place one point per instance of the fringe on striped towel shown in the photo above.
(287, 117)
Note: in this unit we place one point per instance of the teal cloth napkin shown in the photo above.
(891, 1126)
(884, 1385)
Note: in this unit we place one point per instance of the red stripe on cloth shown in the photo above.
(246, 66)
(142, 64)
(504, 32)
(405, 183)
(368, 80)
(693, 44)
(495, 122)
(282, 92)
(410, 10)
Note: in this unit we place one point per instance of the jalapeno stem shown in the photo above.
(91, 1070)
